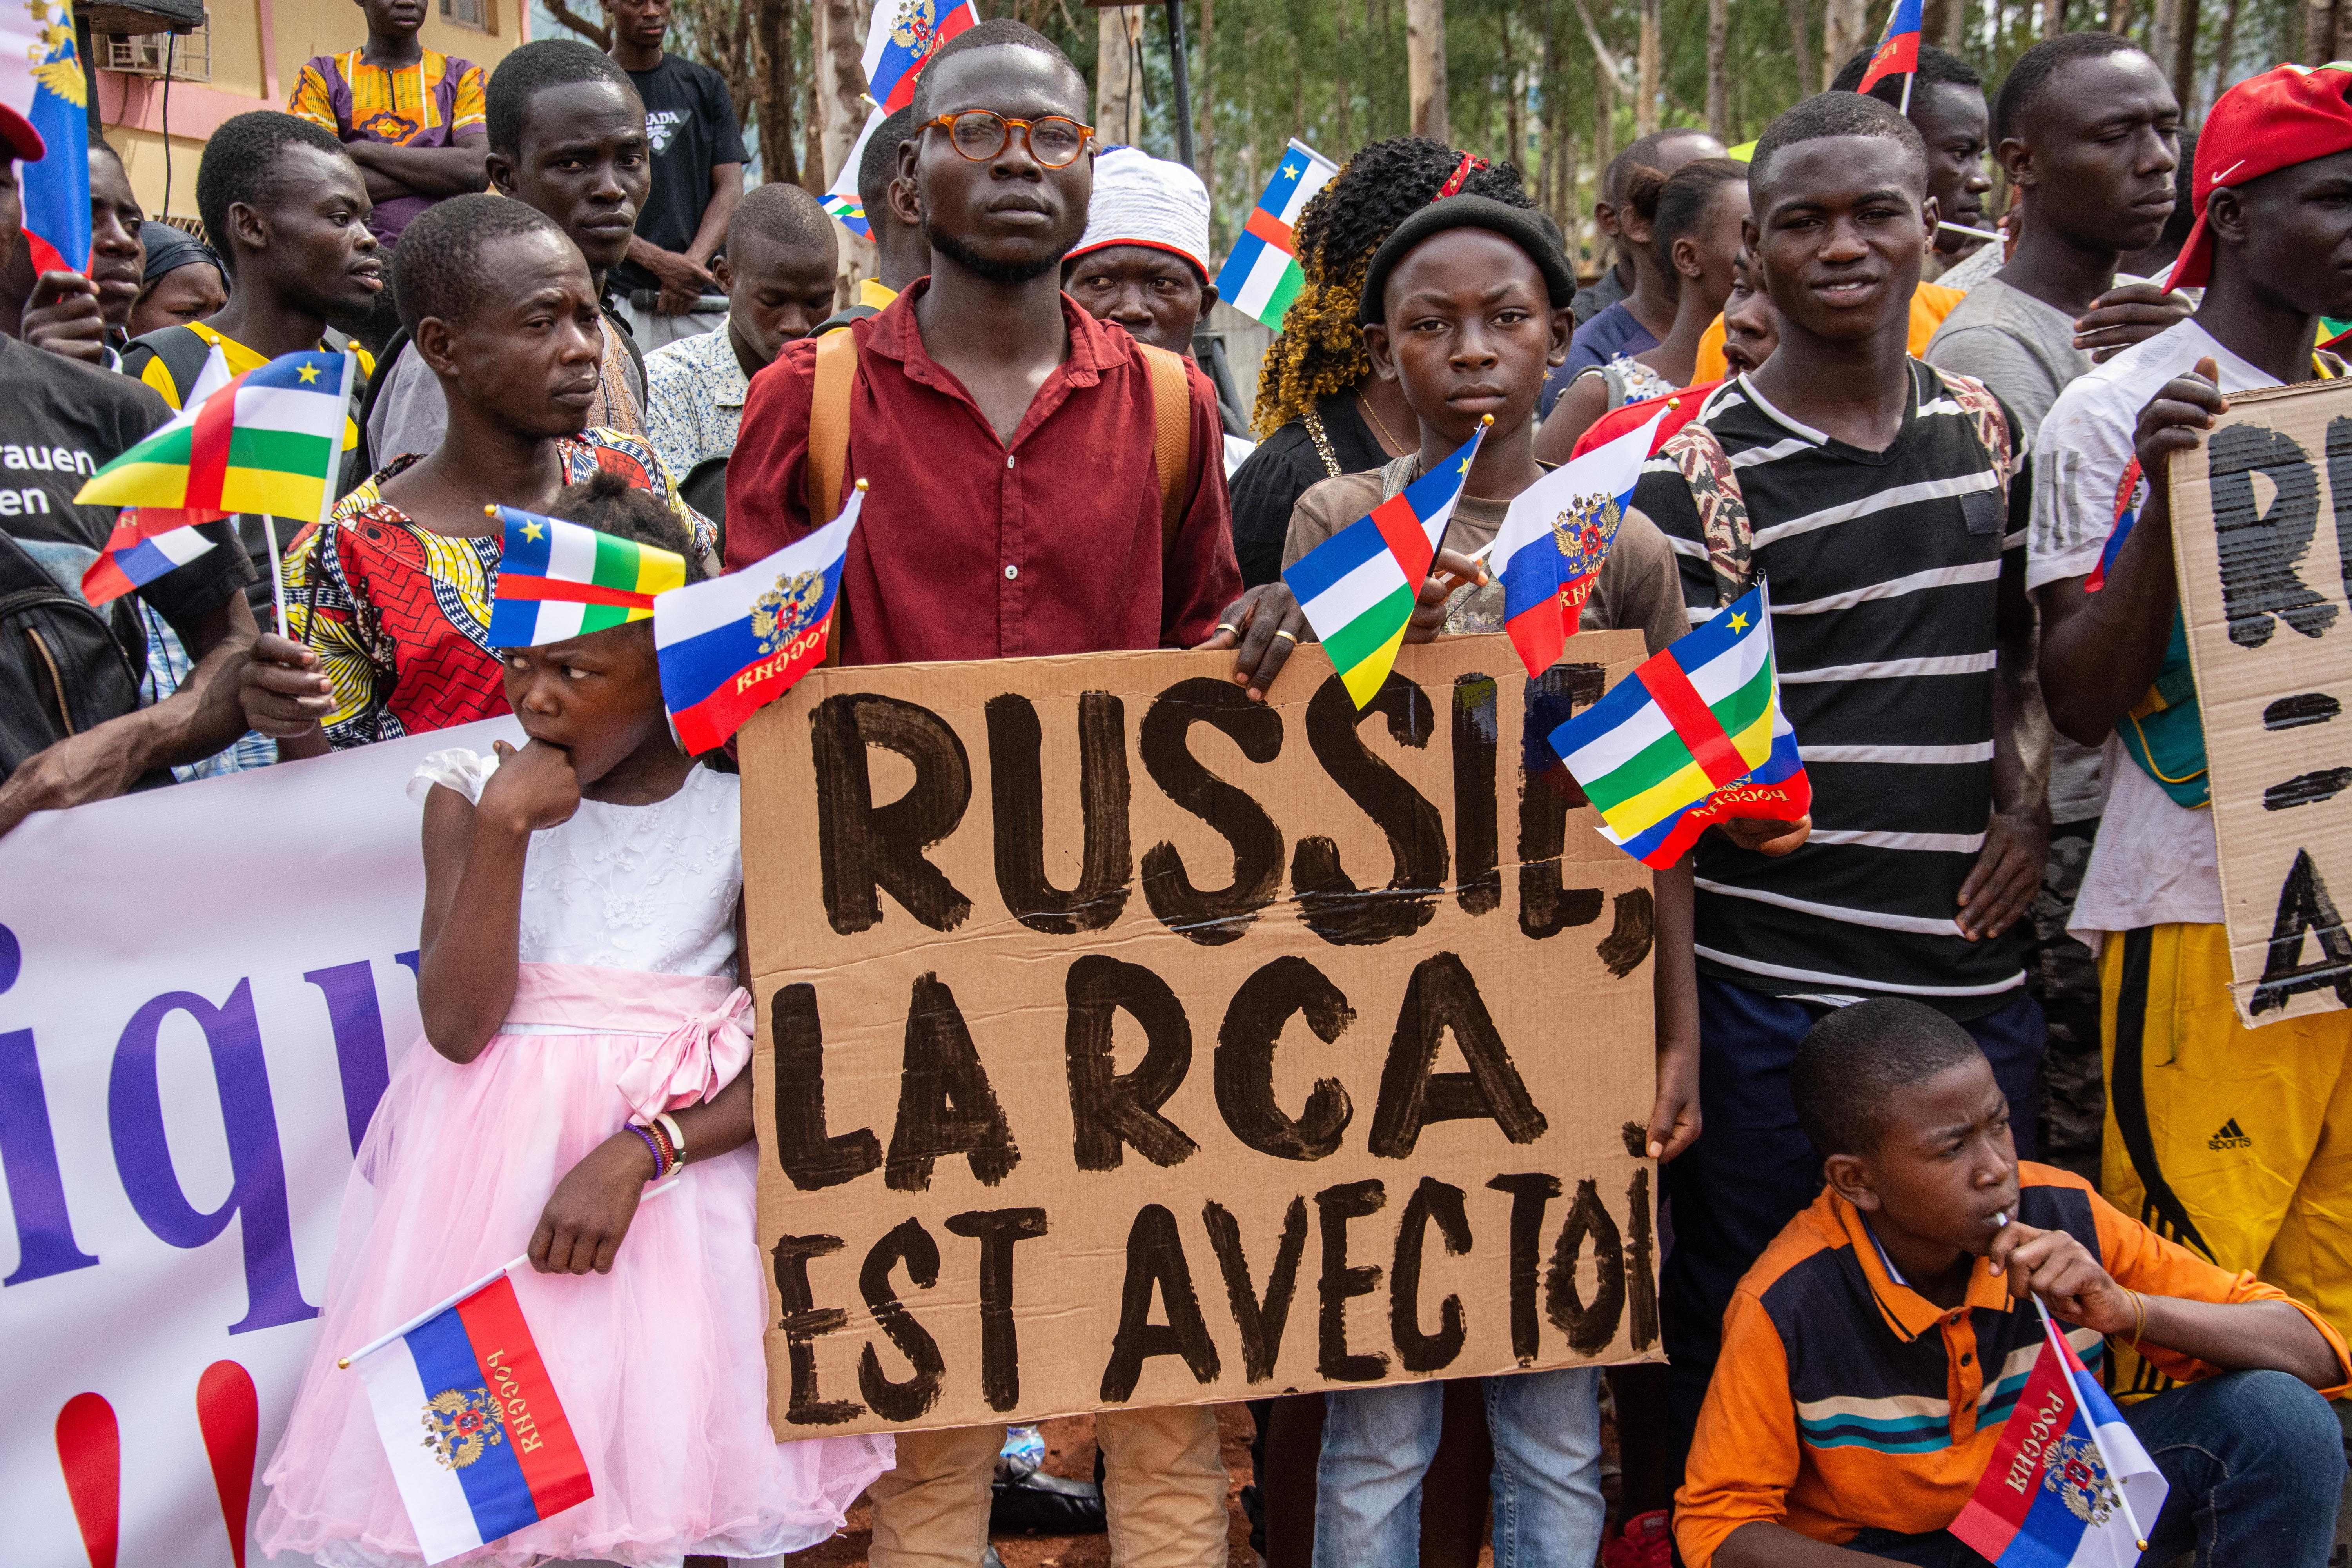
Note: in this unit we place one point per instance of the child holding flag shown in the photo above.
(1465, 308)
(1880, 1378)
(585, 1036)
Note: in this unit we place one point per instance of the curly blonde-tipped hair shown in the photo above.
(1320, 350)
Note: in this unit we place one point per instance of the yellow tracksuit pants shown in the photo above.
(2236, 1142)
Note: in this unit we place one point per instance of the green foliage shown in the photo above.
(1523, 75)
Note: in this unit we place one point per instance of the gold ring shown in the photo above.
(1288, 636)
(1229, 626)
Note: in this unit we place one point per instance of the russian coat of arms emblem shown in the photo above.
(459, 1423)
(1584, 531)
(911, 24)
(787, 610)
(2081, 1481)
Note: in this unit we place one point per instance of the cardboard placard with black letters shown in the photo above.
(1124, 1042)
(2262, 517)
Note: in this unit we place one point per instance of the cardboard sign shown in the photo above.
(1124, 1042)
(2263, 532)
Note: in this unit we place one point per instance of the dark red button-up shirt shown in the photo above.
(974, 548)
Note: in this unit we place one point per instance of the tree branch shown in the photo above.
(595, 33)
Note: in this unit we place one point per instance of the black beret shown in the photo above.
(1523, 226)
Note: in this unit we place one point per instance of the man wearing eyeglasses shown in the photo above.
(1016, 510)
(1015, 507)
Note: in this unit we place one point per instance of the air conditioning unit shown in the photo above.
(185, 57)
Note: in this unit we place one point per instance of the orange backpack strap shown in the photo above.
(1172, 437)
(828, 449)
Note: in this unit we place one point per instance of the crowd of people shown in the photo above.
(1961, 1037)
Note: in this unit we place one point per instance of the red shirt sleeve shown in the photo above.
(767, 479)
(1202, 576)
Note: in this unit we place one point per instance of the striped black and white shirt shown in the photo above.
(1884, 570)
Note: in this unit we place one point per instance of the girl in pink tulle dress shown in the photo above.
(583, 1020)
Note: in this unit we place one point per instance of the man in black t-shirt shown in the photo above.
(698, 179)
(71, 728)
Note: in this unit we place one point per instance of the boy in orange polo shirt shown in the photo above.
(1872, 1354)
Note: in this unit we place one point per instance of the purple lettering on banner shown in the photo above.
(29, 1151)
(134, 1117)
(358, 1023)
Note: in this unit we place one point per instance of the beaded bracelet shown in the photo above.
(652, 1146)
(671, 1158)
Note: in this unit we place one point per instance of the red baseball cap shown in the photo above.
(18, 138)
(2286, 116)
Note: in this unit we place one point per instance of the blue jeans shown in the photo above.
(2255, 1461)
(1753, 1170)
(1377, 1443)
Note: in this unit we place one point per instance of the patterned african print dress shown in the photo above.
(401, 615)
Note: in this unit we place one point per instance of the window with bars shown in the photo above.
(481, 15)
(183, 56)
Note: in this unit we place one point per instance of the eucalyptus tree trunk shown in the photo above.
(1719, 75)
(1645, 70)
(1424, 43)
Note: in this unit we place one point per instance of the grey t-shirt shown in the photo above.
(2024, 351)
(2015, 344)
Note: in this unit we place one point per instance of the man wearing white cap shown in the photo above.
(1144, 261)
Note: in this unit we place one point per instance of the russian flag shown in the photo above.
(2048, 1498)
(1898, 47)
(729, 647)
(1555, 537)
(41, 79)
(900, 39)
(147, 542)
(497, 1452)
(2129, 492)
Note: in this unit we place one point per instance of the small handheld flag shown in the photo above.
(269, 441)
(497, 1452)
(1358, 587)
(1555, 537)
(1694, 736)
(142, 547)
(2069, 1483)
(1263, 275)
(731, 646)
(900, 40)
(41, 79)
(841, 198)
(560, 580)
(1897, 53)
(2131, 494)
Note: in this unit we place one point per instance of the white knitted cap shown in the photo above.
(1142, 200)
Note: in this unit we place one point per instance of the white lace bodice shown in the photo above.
(648, 888)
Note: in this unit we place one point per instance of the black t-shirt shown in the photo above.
(1285, 467)
(60, 421)
(690, 121)
(1885, 570)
